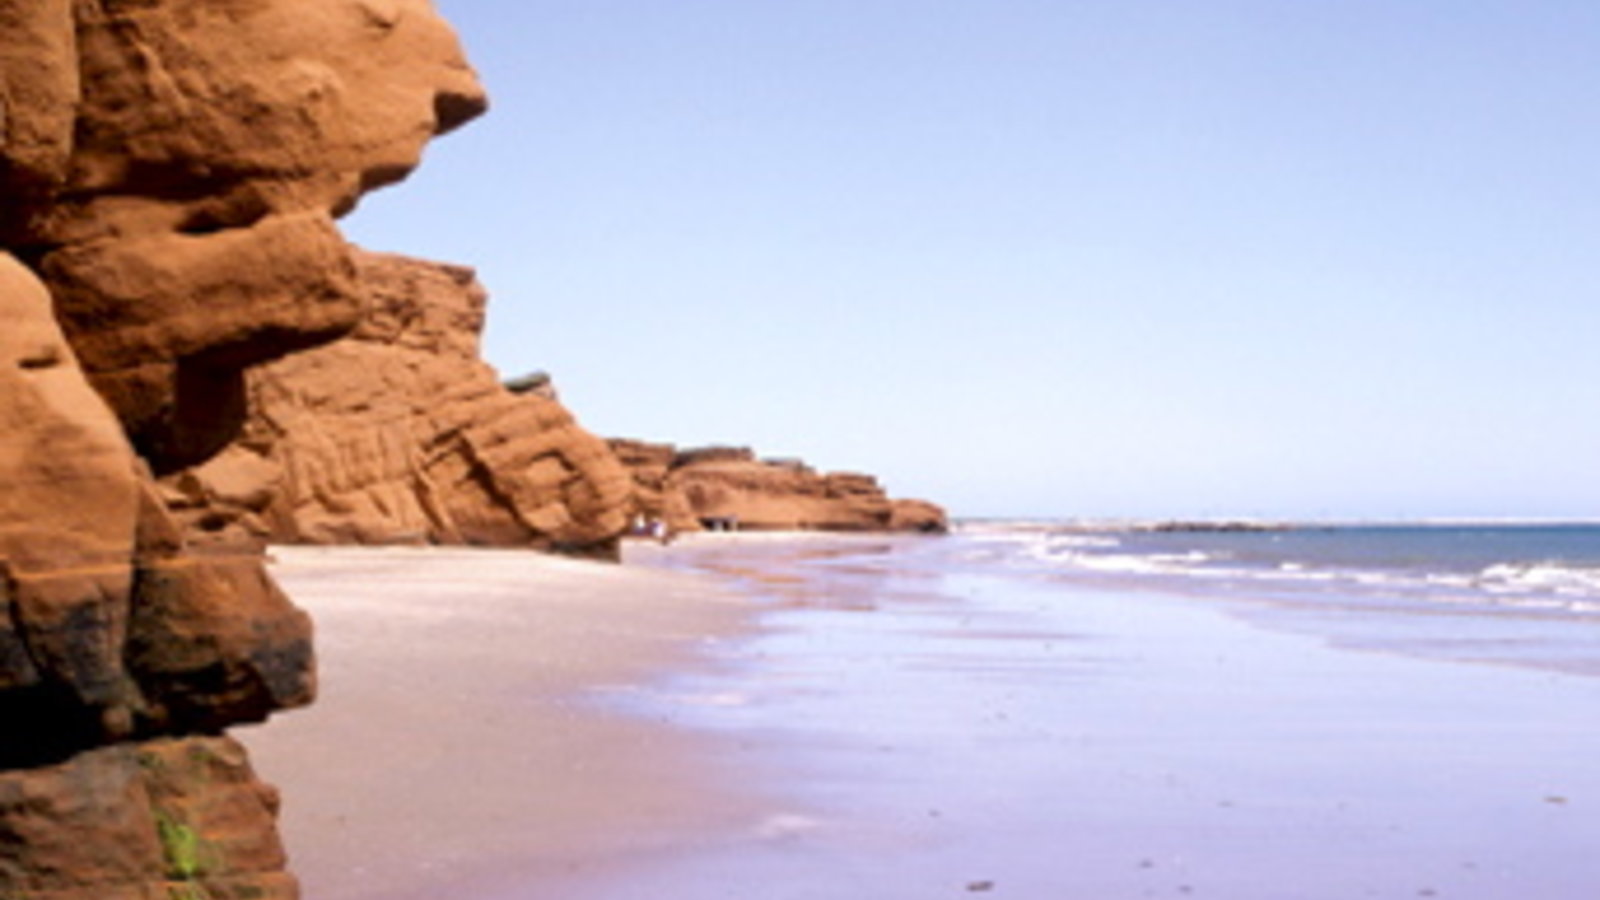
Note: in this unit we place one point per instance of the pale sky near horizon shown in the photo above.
(1186, 258)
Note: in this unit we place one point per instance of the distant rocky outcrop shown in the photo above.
(918, 516)
(1213, 526)
(400, 433)
(730, 487)
(169, 175)
(654, 497)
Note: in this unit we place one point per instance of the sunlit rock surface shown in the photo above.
(169, 175)
(729, 487)
(400, 433)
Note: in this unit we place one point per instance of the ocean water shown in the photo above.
(1537, 567)
(1526, 594)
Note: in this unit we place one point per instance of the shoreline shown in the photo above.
(885, 717)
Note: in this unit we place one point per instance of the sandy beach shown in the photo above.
(459, 739)
(824, 718)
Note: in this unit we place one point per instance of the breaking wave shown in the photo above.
(1434, 564)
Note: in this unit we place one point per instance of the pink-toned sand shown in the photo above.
(460, 737)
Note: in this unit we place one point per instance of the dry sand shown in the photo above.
(461, 739)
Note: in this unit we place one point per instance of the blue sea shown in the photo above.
(1525, 593)
(1552, 567)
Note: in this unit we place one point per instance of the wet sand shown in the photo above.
(879, 718)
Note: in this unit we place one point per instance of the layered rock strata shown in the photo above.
(400, 433)
(169, 174)
(729, 487)
(175, 177)
(654, 495)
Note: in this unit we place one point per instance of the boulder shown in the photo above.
(164, 818)
(917, 516)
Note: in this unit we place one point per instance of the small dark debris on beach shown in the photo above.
(979, 887)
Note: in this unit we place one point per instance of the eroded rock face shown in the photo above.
(112, 631)
(401, 434)
(169, 173)
(165, 818)
(172, 167)
(918, 516)
(655, 496)
(749, 493)
(112, 635)
(729, 487)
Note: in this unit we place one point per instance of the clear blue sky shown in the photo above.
(1293, 258)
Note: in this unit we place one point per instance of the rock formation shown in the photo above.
(729, 487)
(399, 433)
(918, 516)
(169, 172)
(655, 497)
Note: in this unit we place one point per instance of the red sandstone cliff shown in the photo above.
(729, 486)
(399, 433)
(653, 495)
(170, 171)
(169, 175)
